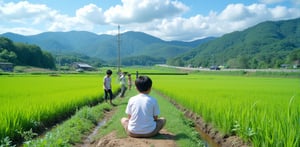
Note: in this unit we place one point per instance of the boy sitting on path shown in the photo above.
(142, 111)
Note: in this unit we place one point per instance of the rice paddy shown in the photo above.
(261, 110)
(30, 102)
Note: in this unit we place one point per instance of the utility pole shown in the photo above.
(119, 57)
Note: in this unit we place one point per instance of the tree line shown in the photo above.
(25, 54)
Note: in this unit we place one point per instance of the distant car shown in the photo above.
(215, 68)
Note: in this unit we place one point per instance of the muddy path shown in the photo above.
(211, 136)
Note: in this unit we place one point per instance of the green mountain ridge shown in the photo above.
(266, 45)
(105, 47)
(269, 44)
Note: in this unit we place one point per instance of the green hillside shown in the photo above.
(25, 54)
(266, 45)
(105, 47)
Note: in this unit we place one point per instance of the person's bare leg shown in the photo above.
(124, 122)
(160, 123)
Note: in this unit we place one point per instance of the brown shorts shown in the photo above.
(160, 123)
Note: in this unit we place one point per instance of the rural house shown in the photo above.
(6, 66)
(82, 66)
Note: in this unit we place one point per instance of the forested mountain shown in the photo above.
(105, 47)
(266, 45)
(25, 54)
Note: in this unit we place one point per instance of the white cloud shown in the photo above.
(91, 13)
(235, 12)
(163, 19)
(132, 11)
(33, 16)
(279, 12)
(86, 19)
(27, 17)
(234, 17)
(183, 28)
(63, 23)
(23, 12)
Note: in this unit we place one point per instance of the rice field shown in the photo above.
(261, 110)
(33, 102)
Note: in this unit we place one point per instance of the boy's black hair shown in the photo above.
(109, 72)
(143, 83)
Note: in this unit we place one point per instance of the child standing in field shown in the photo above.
(142, 111)
(123, 84)
(129, 82)
(107, 86)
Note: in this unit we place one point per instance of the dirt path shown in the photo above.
(111, 140)
(165, 139)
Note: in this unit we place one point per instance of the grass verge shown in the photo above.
(177, 124)
(73, 130)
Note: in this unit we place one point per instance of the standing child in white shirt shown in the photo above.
(143, 111)
(107, 86)
(123, 83)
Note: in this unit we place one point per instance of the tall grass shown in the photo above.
(264, 111)
(35, 102)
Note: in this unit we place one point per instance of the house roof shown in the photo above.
(83, 65)
(6, 63)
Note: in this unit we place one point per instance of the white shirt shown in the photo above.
(123, 80)
(142, 108)
(107, 82)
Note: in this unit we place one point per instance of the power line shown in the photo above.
(119, 46)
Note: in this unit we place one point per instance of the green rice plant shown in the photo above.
(36, 102)
(264, 111)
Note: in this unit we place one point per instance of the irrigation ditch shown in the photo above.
(89, 140)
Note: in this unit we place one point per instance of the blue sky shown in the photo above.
(167, 19)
